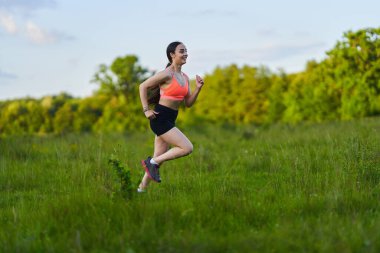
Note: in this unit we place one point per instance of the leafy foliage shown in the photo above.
(124, 174)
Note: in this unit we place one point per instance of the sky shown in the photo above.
(53, 46)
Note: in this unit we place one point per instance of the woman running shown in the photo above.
(174, 88)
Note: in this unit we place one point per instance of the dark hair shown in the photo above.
(171, 49)
(154, 94)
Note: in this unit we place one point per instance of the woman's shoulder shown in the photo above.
(186, 76)
(164, 74)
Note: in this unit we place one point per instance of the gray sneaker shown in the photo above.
(153, 170)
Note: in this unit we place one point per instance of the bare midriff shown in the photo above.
(173, 104)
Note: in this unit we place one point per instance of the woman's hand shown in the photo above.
(150, 114)
(199, 81)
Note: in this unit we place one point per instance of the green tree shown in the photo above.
(89, 111)
(63, 121)
(123, 75)
(35, 116)
(253, 98)
(356, 64)
(14, 118)
(114, 116)
(279, 86)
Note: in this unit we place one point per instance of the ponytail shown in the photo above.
(154, 95)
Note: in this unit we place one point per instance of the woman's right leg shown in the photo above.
(160, 147)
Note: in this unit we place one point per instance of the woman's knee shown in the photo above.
(188, 149)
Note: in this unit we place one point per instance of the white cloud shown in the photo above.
(30, 30)
(38, 35)
(270, 52)
(8, 23)
(269, 32)
(277, 52)
(7, 75)
(26, 28)
(207, 13)
(291, 56)
(26, 5)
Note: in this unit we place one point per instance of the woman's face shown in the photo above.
(180, 54)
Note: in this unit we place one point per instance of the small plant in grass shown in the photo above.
(125, 177)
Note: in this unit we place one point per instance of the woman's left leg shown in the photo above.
(160, 147)
(181, 145)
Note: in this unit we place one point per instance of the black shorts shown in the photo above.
(164, 121)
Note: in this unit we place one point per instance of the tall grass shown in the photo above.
(305, 188)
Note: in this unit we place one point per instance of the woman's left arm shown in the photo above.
(192, 97)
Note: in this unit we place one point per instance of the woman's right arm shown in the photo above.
(152, 82)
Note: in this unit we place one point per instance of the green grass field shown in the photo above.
(305, 188)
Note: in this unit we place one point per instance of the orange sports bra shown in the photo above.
(174, 90)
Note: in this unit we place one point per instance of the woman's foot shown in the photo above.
(141, 188)
(152, 170)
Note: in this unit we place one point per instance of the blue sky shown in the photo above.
(49, 46)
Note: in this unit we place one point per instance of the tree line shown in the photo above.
(345, 85)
